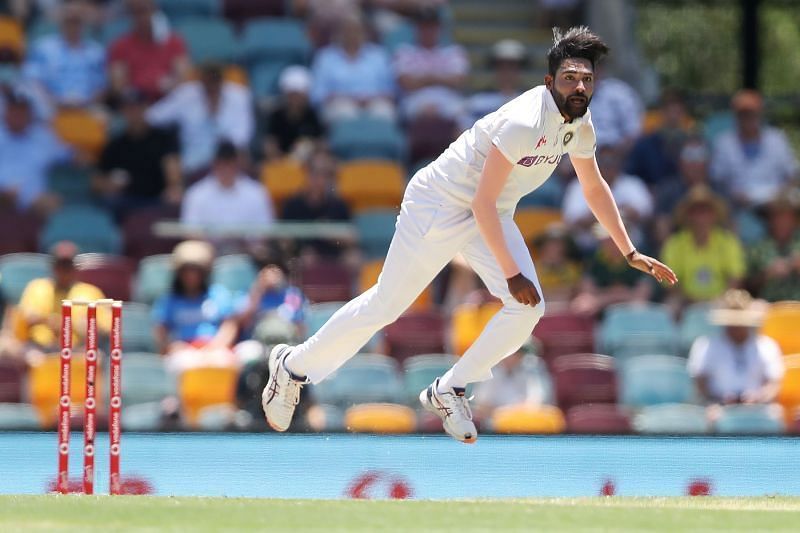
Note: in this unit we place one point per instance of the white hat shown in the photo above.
(295, 79)
(738, 308)
(509, 50)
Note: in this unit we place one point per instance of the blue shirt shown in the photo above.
(287, 302)
(367, 75)
(193, 319)
(71, 75)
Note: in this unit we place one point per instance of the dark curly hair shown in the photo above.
(577, 42)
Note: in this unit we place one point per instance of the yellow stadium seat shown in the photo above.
(781, 323)
(231, 73)
(81, 129)
(533, 221)
(380, 418)
(44, 387)
(468, 322)
(11, 36)
(204, 387)
(528, 419)
(283, 179)
(371, 184)
(369, 277)
(789, 395)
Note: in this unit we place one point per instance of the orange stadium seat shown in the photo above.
(527, 419)
(368, 184)
(369, 277)
(81, 129)
(203, 387)
(533, 221)
(789, 395)
(380, 418)
(781, 323)
(44, 387)
(231, 73)
(283, 179)
(11, 36)
(468, 322)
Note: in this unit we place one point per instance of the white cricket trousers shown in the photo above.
(429, 233)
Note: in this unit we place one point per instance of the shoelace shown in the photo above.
(292, 397)
(458, 403)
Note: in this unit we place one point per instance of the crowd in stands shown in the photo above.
(241, 115)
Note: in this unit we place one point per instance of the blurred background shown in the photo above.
(232, 169)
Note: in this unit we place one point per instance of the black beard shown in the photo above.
(568, 108)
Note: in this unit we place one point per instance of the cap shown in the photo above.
(747, 100)
(509, 50)
(199, 253)
(295, 79)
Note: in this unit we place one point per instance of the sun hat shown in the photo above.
(738, 308)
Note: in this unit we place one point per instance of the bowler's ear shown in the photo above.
(548, 81)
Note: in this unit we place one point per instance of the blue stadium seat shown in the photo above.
(366, 378)
(17, 270)
(142, 416)
(419, 371)
(71, 183)
(19, 417)
(137, 328)
(751, 420)
(367, 138)
(176, 9)
(264, 79)
(402, 33)
(375, 231)
(749, 227)
(153, 279)
(638, 329)
(672, 419)
(281, 41)
(717, 123)
(113, 30)
(695, 323)
(208, 39)
(235, 272)
(326, 417)
(90, 228)
(656, 379)
(318, 314)
(145, 379)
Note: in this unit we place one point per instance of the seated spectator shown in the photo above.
(655, 156)
(507, 61)
(318, 201)
(608, 279)
(139, 167)
(273, 296)
(150, 58)
(69, 67)
(631, 194)
(559, 273)
(323, 17)
(707, 258)
(37, 317)
(293, 128)
(617, 112)
(206, 112)
(737, 365)
(28, 148)
(754, 162)
(352, 76)
(431, 75)
(774, 263)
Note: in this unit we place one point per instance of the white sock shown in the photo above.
(446, 383)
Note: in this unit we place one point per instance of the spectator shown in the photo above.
(737, 365)
(37, 317)
(754, 162)
(150, 57)
(775, 261)
(69, 67)
(227, 197)
(352, 76)
(206, 112)
(616, 112)
(294, 128)
(140, 167)
(507, 61)
(431, 75)
(608, 280)
(559, 273)
(272, 295)
(318, 201)
(707, 258)
(655, 156)
(27, 151)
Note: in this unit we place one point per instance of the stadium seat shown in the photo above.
(12, 380)
(419, 371)
(325, 418)
(751, 420)
(672, 419)
(375, 231)
(402, 33)
(789, 395)
(140, 239)
(326, 282)
(283, 179)
(176, 9)
(598, 418)
(655, 379)
(81, 129)
(366, 378)
(25, 236)
(18, 416)
(380, 418)
(369, 276)
(367, 138)
(429, 136)
(44, 380)
(111, 274)
(203, 387)
(145, 379)
(12, 36)
(278, 41)
(584, 378)
(367, 184)
(533, 221)
(468, 322)
(142, 416)
(415, 333)
(526, 419)
(638, 329)
(781, 323)
(216, 418)
(153, 279)
(137, 328)
(239, 11)
(208, 39)
(695, 323)
(17, 270)
(112, 30)
(564, 333)
(235, 272)
(90, 228)
(264, 80)
(717, 123)
(320, 313)
(72, 183)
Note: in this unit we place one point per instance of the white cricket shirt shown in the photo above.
(529, 131)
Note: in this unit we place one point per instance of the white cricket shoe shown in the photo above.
(453, 408)
(282, 393)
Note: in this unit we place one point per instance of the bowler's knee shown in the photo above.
(528, 315)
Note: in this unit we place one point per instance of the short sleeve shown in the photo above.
(771, 357)
(586, 142)
(513, 138)
(697, 365)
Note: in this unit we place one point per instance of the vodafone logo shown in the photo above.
(116, 402)
(63, 448)
(90, 403)
(64, 401)
(66, 353)
(89, 450)
(116, 355)
(91, 355)
(115, 449)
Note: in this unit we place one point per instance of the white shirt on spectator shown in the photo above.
(758, 178)
(510, 387)
(208, 203)
(628, 191)
(730, 369)
(444, 61)
(200, 132)
(616, 112)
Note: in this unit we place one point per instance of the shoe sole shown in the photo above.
(272, 364)
(428, 406)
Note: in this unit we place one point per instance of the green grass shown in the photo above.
(141, 513)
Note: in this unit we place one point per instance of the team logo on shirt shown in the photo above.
(531, 160)
(568, 137)
(542, 140)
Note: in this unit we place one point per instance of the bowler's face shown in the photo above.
(573, 86)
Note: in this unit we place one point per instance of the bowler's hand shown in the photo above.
(523, 290)
(655, 268)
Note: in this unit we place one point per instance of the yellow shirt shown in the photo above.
(705, 273)
(40, 299)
